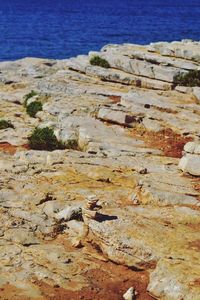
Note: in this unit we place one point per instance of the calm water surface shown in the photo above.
(65, 28)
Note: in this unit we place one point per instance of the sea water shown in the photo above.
(65, 28)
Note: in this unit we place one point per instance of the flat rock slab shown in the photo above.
(139, 245)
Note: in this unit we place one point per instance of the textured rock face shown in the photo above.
(117, 192)
(190, 162)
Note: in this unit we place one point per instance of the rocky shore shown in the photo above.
(119, 207)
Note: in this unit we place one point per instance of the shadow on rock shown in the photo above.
(103, 218)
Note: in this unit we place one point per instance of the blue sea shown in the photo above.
(65, 28)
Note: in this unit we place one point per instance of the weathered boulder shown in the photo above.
(190, 164)
(170, 280)
(192, 147)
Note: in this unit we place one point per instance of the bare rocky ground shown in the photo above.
(130, 124)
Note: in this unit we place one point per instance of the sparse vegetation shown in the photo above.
(44, 139)
(33, 108)
(5, 124)
(99, 61)
(190, 79)
(72, 144)
(77, 215)
(28, 96)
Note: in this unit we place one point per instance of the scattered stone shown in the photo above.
(92, 201)
(89, 211)
(130, 294)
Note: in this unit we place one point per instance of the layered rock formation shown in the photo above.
(125, 128)
(190, 162)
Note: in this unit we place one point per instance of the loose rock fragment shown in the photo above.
(89, 211)
(130, 294)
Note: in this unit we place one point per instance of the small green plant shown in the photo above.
(5, 124)
(191, 78)
(28, 96)
(77, 214)
(33, 108)
(98, 61)
(44, 139)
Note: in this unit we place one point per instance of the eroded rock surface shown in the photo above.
(125, 129)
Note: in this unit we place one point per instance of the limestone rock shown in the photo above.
(190, 164)
(172, 286)
(125, 129)
(92, 201)
(184, 89)
(116, 116)
(196, 93)
(130, 294)
(67, 213)
(190, 147)
(22, 236)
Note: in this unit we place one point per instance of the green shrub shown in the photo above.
(33, 108)
(98, 61)
(44, 139)
(192, 78)
(5, 124)
(77, 214)
(28, 96)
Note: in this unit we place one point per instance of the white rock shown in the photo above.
(57, 133)
(68, 135)
(22, 236)
(137, 67)
(152, 125)
(196, 93)
(190, 163)
(192, 147)
(183, 89)
(48, 124)
(189, 147)
(32, 99)
(130, 294)
(49, 208)
(197, 149)
(115, 116)
(67, 213)
(165, 283)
